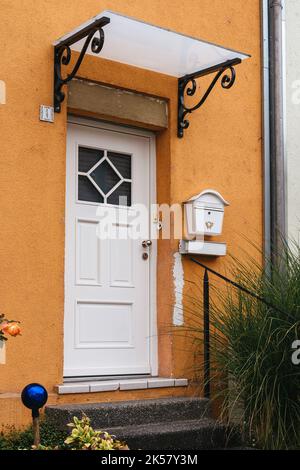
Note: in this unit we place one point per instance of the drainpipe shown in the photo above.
(277, 157)
(266, 127)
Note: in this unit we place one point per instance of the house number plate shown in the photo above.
(46, 113)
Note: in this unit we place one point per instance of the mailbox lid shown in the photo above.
(208, 199)
(210, 206)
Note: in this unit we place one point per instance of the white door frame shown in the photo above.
(91, 123)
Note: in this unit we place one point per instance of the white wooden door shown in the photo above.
(107, 279)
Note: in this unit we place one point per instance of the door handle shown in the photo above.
(146, 243)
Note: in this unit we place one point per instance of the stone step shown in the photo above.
(135, 412)
(195, 434)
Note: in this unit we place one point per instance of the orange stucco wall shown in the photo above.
(221, 150)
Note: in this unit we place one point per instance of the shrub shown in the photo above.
(14, 439)
(252, 348)
(82, 437)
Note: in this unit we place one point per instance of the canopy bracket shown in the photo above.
(187, 85)
(63, 53)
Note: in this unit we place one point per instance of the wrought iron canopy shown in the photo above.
(63, 52)
(133, 42)
(187, 85)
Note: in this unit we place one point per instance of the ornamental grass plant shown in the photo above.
(255, 363)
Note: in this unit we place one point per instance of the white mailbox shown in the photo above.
(204, 214)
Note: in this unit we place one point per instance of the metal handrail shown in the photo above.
(206, 315)
(239, 286)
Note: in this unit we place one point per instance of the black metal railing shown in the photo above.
(206, 315)
(206, 334)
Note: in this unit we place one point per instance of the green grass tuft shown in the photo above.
(251, 348)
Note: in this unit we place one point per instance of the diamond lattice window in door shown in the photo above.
(104, 177)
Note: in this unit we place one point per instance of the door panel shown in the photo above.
(87, 252)
(107, 281)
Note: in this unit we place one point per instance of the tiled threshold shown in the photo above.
(113, 385)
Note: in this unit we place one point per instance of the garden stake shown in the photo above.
(34, 396)
(36, 427)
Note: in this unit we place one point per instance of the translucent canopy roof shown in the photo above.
(150, 47)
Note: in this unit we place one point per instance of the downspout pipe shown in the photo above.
(278, 226)
(266, 126)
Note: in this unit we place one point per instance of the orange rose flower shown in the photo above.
(3, 326)
(13, 329)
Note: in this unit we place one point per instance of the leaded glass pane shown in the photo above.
(121, 195)
(87, 158)
(122, 163)
(87, 191)
(105, 177)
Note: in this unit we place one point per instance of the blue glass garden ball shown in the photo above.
(34, 396)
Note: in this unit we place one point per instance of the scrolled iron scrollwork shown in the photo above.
(228, 80)
(191, 90)
(98, 43)
(63, 55)
(188, 86)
